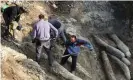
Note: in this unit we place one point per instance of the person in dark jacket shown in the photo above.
(10, 14)
(58, 25)
(73, 49)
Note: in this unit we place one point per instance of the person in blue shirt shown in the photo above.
(73, 49)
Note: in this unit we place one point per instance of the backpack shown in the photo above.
(55, 23)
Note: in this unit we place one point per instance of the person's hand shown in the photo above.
(33, 40)
(91, 49)
(54, 38)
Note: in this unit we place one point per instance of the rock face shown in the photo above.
(96, 17)
(16, 66)
(92, 18)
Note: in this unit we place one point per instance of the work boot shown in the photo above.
(73, 72)
(51, 64)
(51, 69)
(37, 60)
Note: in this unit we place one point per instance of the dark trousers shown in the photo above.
(74, 60)
(39, 46)
(7, 22)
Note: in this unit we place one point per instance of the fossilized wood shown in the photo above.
(110, 49)
(123, 66)
(107, 66)
(126, 61)
(120, 45)
(62, 72)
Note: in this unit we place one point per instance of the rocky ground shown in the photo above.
(84, 19)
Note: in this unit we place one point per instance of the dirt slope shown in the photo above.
(92, 18)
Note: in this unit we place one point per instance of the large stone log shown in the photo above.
(107, 66)
(123, 66)
(120, 45)
(62, 72)
(110, 49)
(16, 66)
(126, 61)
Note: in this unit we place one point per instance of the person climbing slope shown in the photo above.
(12, 15)
(73, 49)
(58, 25)
(41, 36)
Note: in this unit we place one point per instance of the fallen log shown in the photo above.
(59, 70)
(107, 66)
(120, 45)
(109, 48)
(126, 61)
(123, 66)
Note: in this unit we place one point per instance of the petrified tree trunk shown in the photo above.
(112, 50)
(126, 61)
(107, 66)
(123, 66)
(120, 45)
(109, 48)
(61, 71)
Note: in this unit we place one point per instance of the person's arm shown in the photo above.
(67, 43)
(85, 43)
(17, 18)
(56, 31)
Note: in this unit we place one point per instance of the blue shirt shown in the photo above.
(74, 48)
